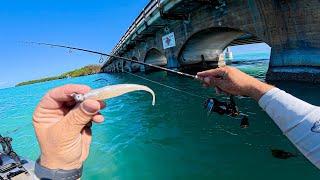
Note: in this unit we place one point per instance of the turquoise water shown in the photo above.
(251, 56)
(173, 140)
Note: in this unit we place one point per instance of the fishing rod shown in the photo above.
(115, 56)
(228, 108)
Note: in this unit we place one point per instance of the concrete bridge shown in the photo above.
(192, 34)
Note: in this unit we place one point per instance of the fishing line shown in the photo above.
(164, 85)
(211, 104)
(131, 60)
(176, 89)
(114, 56)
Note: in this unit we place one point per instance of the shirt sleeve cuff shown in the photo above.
(263, 101)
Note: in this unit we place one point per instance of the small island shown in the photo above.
(87, 70)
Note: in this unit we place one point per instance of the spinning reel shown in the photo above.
(228, 108)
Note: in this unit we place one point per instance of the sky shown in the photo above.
(251, 48)
(94, 24)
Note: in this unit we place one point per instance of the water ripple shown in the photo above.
(175, 139)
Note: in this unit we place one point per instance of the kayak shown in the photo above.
(11, 170)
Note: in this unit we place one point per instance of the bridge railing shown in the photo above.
(141, 19)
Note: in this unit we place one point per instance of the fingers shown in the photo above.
(220, 91)
(216, 82)
(98, 118)
(57, 97)
(218, 72)
(213, 77)
(207, 80)
(212, 81)
(86, 135)
(80, 116)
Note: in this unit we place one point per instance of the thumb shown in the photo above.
(81, 115)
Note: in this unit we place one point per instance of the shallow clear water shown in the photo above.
(173, 140)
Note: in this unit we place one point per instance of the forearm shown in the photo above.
(258, 89)
(297, 120)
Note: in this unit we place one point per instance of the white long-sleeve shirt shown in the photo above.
(298, 120)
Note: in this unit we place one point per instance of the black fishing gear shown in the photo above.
(222, 107)
(10, 163)
(228, 108)
(8, 150)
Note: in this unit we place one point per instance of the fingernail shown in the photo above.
(89, 107)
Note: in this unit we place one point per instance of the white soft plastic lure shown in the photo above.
(108, 92)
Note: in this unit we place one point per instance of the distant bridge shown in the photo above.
(192, 34)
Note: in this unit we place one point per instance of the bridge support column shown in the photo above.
(129, 66)
(119, 67)
(173, 63)
(142, 68)
(122, 68)
(295, 65)
(115, 67)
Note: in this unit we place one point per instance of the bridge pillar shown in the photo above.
(135, 67)
(117, 67)
(142, 68)
(129, 64)
(300, 64)
(121, 65)
(173, 63)
(290, 27)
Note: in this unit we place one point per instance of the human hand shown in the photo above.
(233, 81)
(63, 128)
